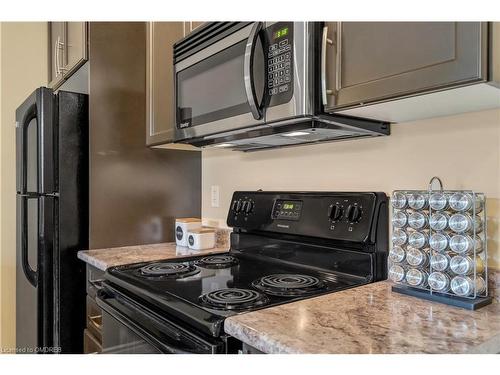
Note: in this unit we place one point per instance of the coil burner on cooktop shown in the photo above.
(288, 285)
(168, 270)
(217, 261)
(233, 299)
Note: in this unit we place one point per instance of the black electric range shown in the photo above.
(284, 247)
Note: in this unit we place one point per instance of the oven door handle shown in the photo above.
(110, 304)
(255, 108)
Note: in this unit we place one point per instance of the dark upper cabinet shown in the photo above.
(68, 50)
(76, 51)
(160, 115)
(375, 61)
(160, 101)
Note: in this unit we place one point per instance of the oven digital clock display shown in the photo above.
(287, 209)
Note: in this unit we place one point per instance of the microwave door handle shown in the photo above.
(248, 70)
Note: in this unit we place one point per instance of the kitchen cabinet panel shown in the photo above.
(160, 115)
(68, 50)
(76, 45)
(375, 61)
(94, 318)
(90, 344)
(93, 330)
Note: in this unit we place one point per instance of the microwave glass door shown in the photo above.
(211, 92)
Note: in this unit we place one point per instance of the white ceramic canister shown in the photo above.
(201, 239)
(182, 227)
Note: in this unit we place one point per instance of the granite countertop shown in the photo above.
(368, 319)
(105, 258)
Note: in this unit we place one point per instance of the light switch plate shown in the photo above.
(215, 196)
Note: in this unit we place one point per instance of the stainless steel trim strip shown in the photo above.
(338, 58)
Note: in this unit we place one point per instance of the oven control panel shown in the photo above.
(334, 216)
(279, 84)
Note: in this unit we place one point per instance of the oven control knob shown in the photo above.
(353, 214)
(249, 207)
(244, 206)
(236, 206)
(335, 212)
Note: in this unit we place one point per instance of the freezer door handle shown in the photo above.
(22, 150)
(30, 274)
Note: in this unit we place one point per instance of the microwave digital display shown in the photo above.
(281, 32)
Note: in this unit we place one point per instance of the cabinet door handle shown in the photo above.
(96, 321)
(60, 46)
(324, 43)
(56, 56)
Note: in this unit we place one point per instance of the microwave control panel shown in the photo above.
(279, 84)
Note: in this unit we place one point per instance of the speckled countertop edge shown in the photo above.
(117, 256)
(368, 319)
(106, 258)
(110, 257)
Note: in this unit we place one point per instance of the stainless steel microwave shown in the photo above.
(258, 85)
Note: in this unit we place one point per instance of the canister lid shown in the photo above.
(188, 220)
(202, 230)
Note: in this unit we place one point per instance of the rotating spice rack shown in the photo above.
(439, 245)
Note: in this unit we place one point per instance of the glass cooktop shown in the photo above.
(205, 290)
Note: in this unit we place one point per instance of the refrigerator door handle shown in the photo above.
(22, 150)
(30, 274)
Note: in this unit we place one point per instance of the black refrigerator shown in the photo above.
(52, 221)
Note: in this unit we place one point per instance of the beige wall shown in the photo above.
(23, 67)
(463, 150)
(0, 186)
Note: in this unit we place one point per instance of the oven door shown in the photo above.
(131, 328)
(221, 88)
